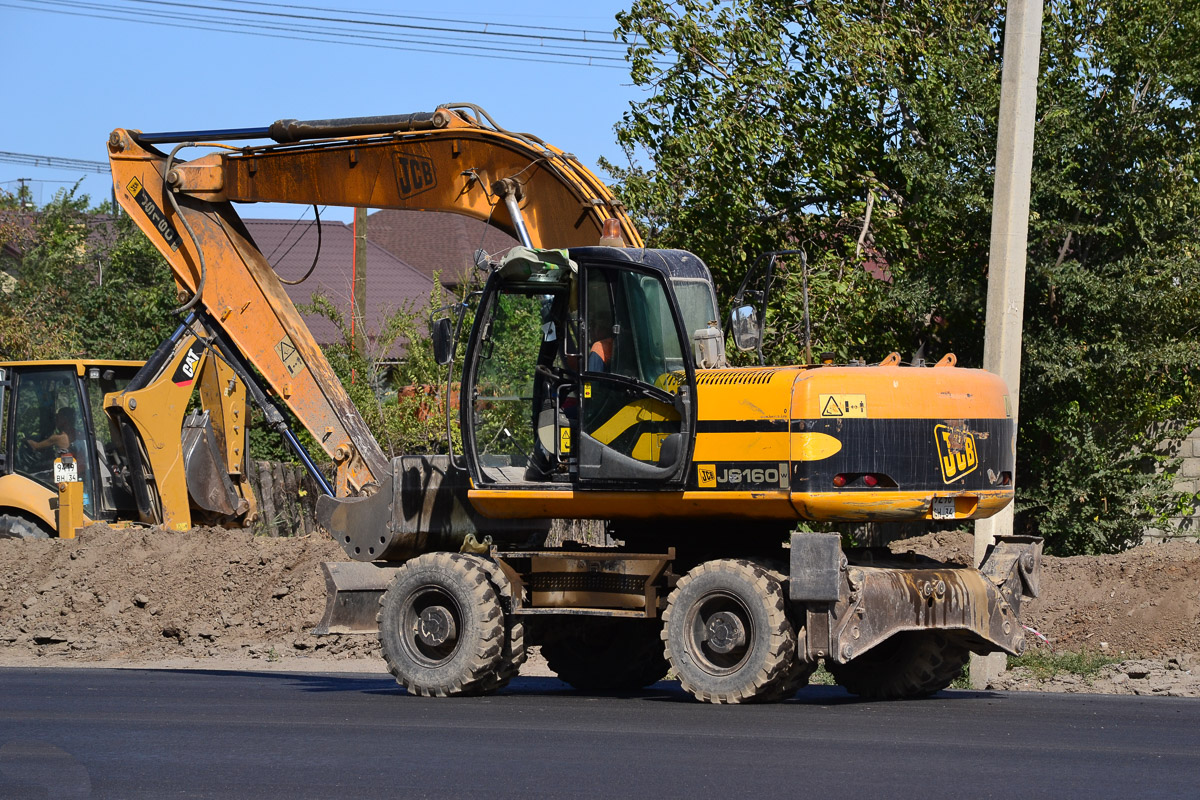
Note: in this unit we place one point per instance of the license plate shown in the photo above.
(65, 471)
(943, 508)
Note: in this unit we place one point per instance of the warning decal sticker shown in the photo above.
(157, 218)
(290, 358)
(844, 405)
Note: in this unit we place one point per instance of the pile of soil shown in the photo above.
(117, 597)
(138, 595)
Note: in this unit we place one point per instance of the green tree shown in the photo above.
(90, 286)
(402, 403)
(865, 132)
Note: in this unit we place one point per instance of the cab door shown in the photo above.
(636, 384)
(49, 419)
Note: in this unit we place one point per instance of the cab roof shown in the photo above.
(81, 365)
(671, 263)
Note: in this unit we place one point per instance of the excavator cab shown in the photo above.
(579, 371)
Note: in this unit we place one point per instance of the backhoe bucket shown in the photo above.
(207, 479)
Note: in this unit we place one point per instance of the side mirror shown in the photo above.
(743, 323)
(443, 341)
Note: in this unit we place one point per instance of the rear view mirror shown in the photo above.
(743, 323)
(443, 341)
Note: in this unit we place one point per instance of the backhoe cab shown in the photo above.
(54, 431)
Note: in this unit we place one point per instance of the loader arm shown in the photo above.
(441, 161)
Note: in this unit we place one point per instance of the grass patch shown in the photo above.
(963, 681)
(821, 678)
(1045, 664)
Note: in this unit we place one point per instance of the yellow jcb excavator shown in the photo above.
(594, 385)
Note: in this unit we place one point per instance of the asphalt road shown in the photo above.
(161, 734)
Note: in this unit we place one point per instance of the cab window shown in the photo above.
(49, 422)
(517, 329)
(635, 364)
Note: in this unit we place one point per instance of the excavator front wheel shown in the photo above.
(513, 653)
(442, 627)
(727, 633)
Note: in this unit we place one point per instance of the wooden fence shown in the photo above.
(287, 499)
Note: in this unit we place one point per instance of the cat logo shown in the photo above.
(185, 373)
(957, 453)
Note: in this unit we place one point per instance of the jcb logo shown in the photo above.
(957, 454)
(414, 174)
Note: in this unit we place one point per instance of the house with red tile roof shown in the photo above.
(291, 247)
(436, 242)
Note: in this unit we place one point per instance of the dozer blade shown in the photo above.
(352, 592)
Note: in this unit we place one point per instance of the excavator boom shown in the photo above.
(446, 160)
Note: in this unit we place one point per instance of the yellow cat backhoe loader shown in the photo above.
(593, 385)
(113, 441)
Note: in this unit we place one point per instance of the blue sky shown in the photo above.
(70, 80)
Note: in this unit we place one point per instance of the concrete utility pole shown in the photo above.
(358, 314)
(1010, 237)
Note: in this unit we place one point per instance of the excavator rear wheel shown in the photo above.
(441, 626)
(728, 636)
(604, 655)
(907, 666)
(16, 527)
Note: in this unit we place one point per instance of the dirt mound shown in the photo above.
(142, 595)
(116, 597)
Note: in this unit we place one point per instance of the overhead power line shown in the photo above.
(54, 162)
(443, 36)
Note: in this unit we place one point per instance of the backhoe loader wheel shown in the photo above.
(441, 626)
(513, 653)
(602, 655)
(907, 666)
(728, 636)
(14, 527)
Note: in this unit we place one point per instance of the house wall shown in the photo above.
(1187, 480)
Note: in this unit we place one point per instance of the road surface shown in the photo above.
(74, 733)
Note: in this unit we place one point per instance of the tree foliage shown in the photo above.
(90, 286)
(402, 403)
(865, 133)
